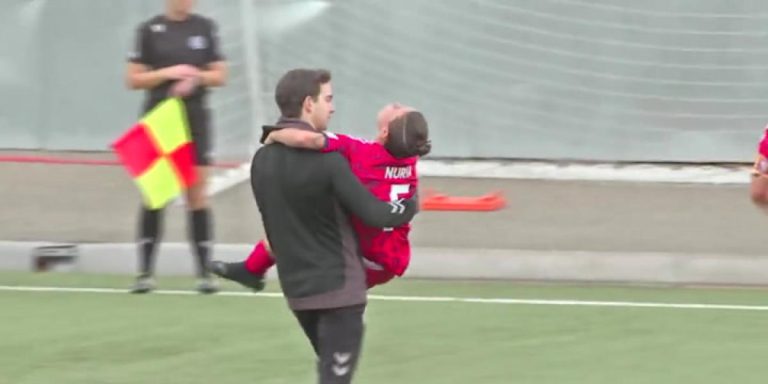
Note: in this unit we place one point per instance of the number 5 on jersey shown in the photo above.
(396, 192)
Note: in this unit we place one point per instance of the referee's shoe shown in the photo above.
(207, 286)
(145, 284)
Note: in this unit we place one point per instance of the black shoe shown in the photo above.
(238, 273)
(143, 284)
(207, 286)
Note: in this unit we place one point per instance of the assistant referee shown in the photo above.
(177, 55)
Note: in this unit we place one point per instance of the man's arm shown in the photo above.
(297, 138)
(215, 75)
(141, 75)
(215, 72)
(324, 142)
(361, 203)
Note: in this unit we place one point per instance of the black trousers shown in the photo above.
(336, 336)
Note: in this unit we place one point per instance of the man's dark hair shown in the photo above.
(295, 86)
(408, 136)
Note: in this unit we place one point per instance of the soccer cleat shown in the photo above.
(143, 284)
(238, 273)
(207, 286)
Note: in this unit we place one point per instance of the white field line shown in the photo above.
(431, 299)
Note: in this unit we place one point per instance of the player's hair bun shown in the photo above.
(409, 136)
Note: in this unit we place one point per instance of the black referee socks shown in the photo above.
(150, 225)
(150, 235)
(201, 238)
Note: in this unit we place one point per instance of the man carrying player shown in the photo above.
(386, 166)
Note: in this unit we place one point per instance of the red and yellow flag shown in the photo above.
(159, 153)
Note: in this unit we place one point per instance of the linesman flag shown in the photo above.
(159, 153)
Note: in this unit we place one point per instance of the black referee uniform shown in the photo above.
(304, 198)
(164, 43)
(160, 43)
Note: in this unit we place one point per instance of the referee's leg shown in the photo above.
(200, 226)
(340, 340)
(149, 236)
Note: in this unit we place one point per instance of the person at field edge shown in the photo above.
(177, 55)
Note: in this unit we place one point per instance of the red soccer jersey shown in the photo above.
(389, 179)
(762, 148)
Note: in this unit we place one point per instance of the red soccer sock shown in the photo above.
(259, 261)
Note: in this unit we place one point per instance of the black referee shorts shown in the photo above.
(199, 118)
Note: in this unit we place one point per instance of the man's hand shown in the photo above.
(270, 138)
(184, 87)
(180, 72)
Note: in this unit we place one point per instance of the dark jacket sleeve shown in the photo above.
(354, 197)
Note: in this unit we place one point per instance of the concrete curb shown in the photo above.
(618, 267)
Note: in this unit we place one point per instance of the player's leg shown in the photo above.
(249, 273)
(260, 259)
(199, 223)
(759, 186)
(340, 340)
(377, 277)
(376, 274)
(149, 236)
(387, 257)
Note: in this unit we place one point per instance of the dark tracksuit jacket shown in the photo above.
(304, 198)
